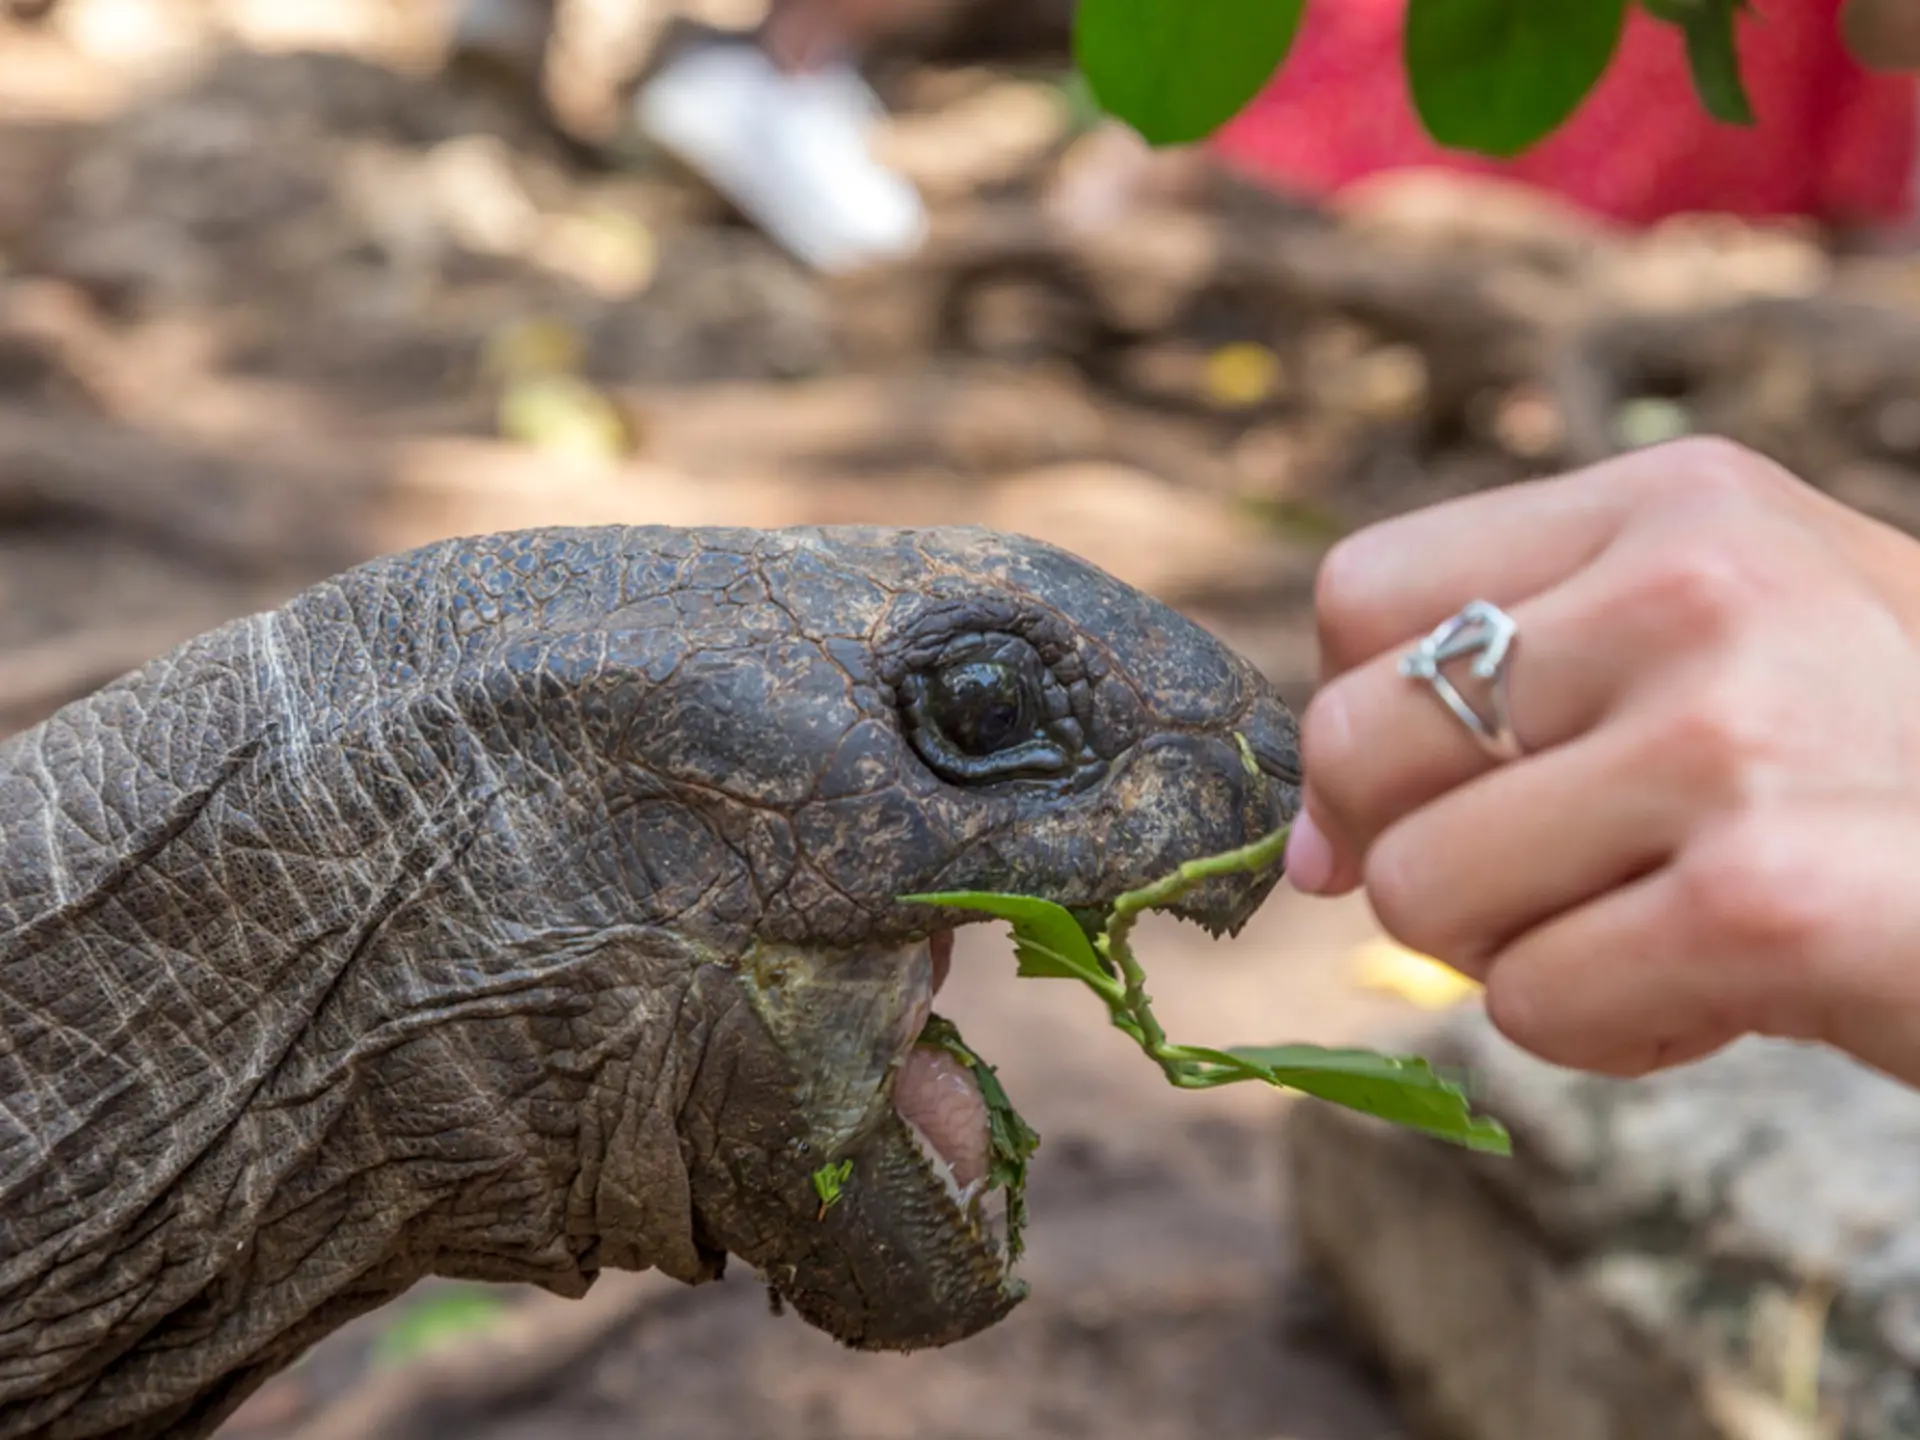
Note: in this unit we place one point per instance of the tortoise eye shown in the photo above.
(982, 717)
(981, 706)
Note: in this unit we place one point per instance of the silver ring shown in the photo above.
(1486, 632)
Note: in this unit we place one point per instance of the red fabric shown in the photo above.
(1833, 141)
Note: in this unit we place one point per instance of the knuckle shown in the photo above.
(1712, 744)
(1745, 893)
(1704, 468)
(1700, 592)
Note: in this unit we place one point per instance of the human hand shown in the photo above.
(1715, 827)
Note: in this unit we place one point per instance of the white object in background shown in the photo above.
(793, 152)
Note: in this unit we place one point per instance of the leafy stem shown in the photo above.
(1492, 77)
(1049, 943)
(1115, 943)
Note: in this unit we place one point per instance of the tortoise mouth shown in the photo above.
(912, 1240)
(939, 1097)
(940, 1100)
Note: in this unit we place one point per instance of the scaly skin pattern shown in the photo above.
(525, 906)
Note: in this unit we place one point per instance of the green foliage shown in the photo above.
(1494, 77)
(1404, 1090)
(1048, 943)
(1052, 944)
(830, 1183)
(1011, 1141)
(1177, 70)
(1714, 56)
(435, 1321)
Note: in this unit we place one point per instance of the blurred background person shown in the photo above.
(1833, 143)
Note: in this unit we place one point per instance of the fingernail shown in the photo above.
(1309, 857)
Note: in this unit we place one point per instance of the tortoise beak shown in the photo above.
(1269, 798)
(898, 1264)
(1273, 738)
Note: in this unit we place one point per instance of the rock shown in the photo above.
(1730, 1251)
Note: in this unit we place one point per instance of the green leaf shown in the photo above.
(1404, 1090)
(1047, 939)
(1713, 53)
(1011, 1140)
(1052, 942)
(436, 1321)
(1497, 76)
(829, 1182)
(1177, 70)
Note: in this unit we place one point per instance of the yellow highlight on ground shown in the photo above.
(1241, 375)
(1418, 979)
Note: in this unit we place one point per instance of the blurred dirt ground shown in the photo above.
(276, 296)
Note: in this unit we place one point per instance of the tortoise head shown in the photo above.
(895, 713)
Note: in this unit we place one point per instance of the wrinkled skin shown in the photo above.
(525, 906)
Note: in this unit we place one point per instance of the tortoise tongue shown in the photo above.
(937, 1095)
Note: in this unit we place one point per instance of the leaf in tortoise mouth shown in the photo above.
(1050, 943)
(1011, 1140)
